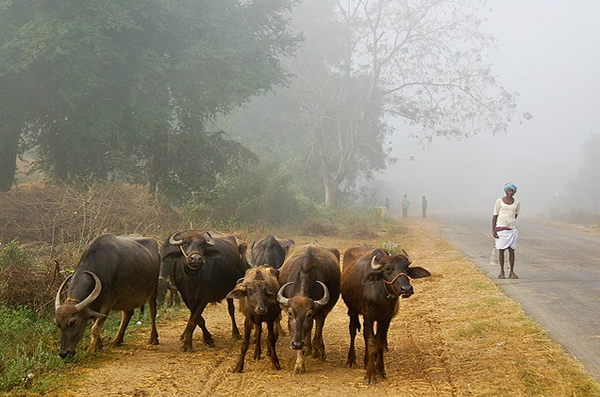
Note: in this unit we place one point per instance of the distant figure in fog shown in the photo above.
(424, 206)
(387, 208)
(405, 205)
(506, 211)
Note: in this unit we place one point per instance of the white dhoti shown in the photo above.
(507, 238)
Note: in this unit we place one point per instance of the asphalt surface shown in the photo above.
(559, 275)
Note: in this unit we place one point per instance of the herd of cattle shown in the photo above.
(273, 275)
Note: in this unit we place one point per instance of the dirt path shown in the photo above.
(442, 344)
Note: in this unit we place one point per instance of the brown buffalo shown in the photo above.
(257, 293)
(310, 278)
(372, 282)
(114, 273)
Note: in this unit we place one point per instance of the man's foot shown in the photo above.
(501, 275)
(512, 275)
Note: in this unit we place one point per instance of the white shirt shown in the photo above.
(506, 213)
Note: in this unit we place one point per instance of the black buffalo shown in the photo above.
(310, 279)
(372, 282)
(269, 251)
(114, 273)
(204, 268)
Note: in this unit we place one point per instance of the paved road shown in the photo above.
(559, 276)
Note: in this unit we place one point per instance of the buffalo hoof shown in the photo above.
(371, 380)
(186, 348)
(351, 364)
(238, 368)
(276, 364)
(300, 369)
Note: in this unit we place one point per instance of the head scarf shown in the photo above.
(510, 185)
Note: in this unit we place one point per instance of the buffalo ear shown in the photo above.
(418, 272)
(91, 314)
(372, 277)
(237, 293)
(242, 249)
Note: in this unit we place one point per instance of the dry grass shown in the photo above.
(457, 336)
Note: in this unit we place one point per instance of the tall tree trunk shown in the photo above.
(9, 144)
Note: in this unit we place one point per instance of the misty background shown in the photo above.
(270, 112)
(549, 52)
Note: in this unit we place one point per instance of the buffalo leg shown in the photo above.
(96, 342)
(239, 367)
(206, 336)
(235, 332)
(125, 317)
(153, 333)
(382, 331)
(258, 333)
(272, 337)
(317, 342)
(371, 349)
(190, 326)
(299, 367)
(353, 327)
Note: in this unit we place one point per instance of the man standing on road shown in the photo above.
(405, 205)
(506, 211)
(424, 206)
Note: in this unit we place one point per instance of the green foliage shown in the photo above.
(27, 346)
(13, 254)
(260, 196)
(123, 91)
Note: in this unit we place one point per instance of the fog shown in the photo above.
(548, 52)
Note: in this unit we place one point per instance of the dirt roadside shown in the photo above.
(457, 336)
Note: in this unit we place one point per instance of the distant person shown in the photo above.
(504, 231)
(387, 208)
(424, 206)
(405, 205)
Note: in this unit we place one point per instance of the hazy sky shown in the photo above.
(549, 52)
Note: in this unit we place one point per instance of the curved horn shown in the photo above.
(208, 239)
(403, 252)
(375, 266)
(280, 297)
(323, 301)
(95, 293)
(57, 300)
(173, 241)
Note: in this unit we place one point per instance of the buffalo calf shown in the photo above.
(257, 295)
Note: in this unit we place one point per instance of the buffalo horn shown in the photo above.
(208, 239)
(97, 288)
(375, 266)
(280, 297)
(173, 241)
(323, 301)
(407, 257)
(57, 300)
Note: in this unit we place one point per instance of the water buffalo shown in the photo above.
(269, 251)
(372, 282)
(258, 302)
(114, 273)
(310, 278)
(205, 267)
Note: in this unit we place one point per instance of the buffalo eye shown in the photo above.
(309, 315)
(291, 313)
(250, 290)
(388, 268)
(72, 322)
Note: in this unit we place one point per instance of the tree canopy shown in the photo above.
(421, 62)
(125, 90)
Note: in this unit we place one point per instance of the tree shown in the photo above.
(117, 90)
(418, 61)
(584, 190)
